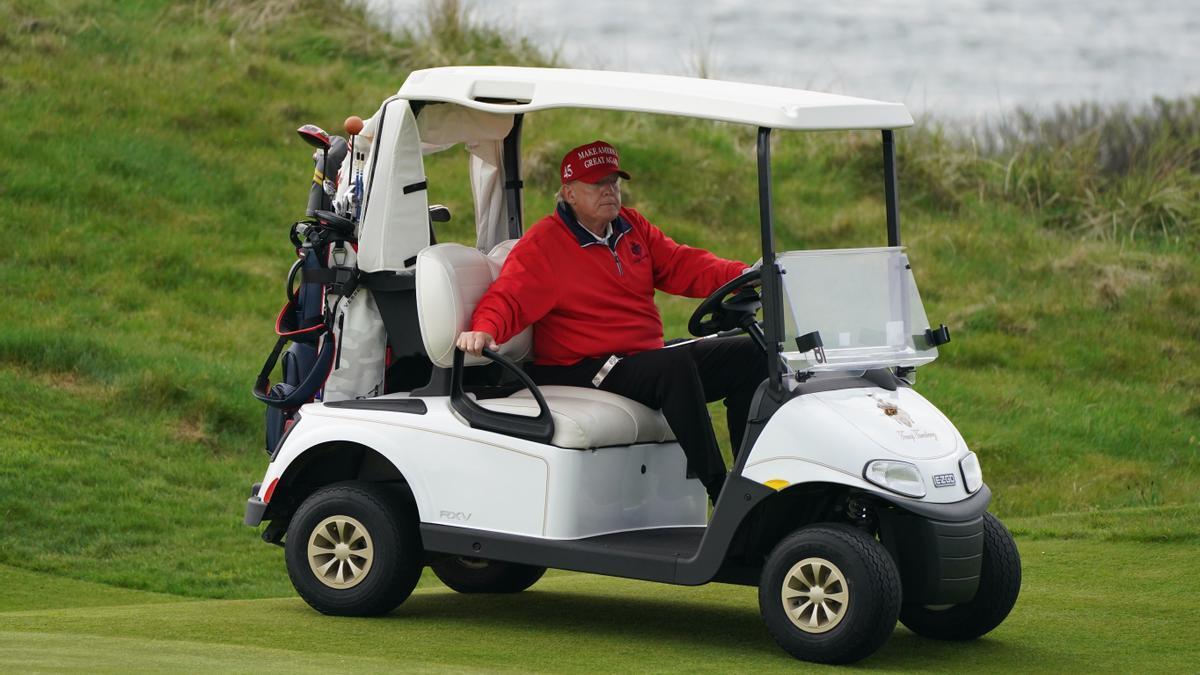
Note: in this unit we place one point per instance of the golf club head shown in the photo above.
(314, 136)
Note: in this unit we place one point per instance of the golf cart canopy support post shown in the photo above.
(889, 187)
(512, 177)
(772, 288)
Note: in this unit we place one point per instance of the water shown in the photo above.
(953, 59)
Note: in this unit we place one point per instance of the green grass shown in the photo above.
(151, 175)
(1087, 604)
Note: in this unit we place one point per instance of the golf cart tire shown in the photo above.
(871, 590)
(472, 575)
(999, 585)
(394, 546)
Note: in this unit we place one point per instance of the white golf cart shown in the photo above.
(852, 502)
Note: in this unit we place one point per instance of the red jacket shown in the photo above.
(586, 299)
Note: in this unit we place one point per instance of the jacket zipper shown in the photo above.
(620, 271)
(613, 250)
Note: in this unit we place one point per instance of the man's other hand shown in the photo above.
(474, 342)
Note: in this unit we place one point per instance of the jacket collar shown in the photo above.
(582, 235)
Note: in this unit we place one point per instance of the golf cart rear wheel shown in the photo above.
(353, 549)
(829, 593)
(999, 585)
(476, 575)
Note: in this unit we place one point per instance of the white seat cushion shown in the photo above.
(451, 279)
(589, 418)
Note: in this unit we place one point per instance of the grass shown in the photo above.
(1087, 604)
(1116, 173)
(152, 176)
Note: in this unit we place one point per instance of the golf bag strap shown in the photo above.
(307, 330)
(304, 392)
(327, 275)
(388, 281)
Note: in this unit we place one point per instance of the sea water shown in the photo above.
(953, 59)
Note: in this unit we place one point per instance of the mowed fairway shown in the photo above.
(1120, 600)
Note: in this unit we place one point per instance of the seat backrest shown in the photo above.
(451, 279)
(500, 253)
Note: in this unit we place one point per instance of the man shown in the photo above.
(584, 277)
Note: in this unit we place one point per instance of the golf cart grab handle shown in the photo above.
(539, 428)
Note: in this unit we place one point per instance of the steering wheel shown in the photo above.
(731, 306)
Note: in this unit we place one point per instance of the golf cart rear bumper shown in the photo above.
(255, 508)
(937, 547)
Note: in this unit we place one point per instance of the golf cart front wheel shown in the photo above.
(354, 549)
(829, 593)
(999, 585)
(476, 575)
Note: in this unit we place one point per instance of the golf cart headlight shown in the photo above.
(900, 477)
(972, 474)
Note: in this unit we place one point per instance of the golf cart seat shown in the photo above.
(451, 279)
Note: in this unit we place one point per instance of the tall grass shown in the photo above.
(1107, 172)
(449, 33)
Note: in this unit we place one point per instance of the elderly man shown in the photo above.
(584, 277)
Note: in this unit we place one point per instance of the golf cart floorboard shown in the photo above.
(653, 555)
(672, 542)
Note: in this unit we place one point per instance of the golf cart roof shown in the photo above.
(499, 89)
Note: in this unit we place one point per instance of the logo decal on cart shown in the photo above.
(910, 432)
(454, 515)
(944, 480)
(893, 411)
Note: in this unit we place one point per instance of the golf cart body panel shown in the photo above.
(688, 556)
(833, 435)
(465, 477)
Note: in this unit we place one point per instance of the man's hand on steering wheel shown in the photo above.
(734, 305)
(757, 266)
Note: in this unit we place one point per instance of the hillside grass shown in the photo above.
(153, 169)
(1087, 604)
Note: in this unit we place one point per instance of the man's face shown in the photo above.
(595, 203)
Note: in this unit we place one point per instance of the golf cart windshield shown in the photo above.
(864, 304)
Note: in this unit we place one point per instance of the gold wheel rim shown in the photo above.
(815, 595)
(340, 552)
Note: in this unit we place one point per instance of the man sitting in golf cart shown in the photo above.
(585, 277)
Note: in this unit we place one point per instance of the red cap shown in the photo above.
(590, 163)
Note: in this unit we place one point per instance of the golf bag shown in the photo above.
(350, 312)
(305, 325)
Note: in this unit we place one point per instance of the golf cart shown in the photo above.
(852, 501)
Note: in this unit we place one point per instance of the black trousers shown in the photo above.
(680, 381)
